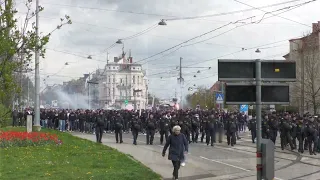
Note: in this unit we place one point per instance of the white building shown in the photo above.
(117, 84)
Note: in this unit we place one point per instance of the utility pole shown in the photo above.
(222, 91)
(37, 74)
(300, 52)
(180, 79)
(259, 118)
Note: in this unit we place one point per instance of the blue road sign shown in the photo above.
(244, 108)
(219, 98)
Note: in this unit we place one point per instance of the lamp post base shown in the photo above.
(36, 128)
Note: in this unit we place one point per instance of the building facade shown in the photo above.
(305, 52)
(122, 84)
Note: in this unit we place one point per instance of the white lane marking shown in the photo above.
(237, 167)
(277, 178)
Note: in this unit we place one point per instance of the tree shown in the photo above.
(17, 46)
(203, 97)
(312, 72)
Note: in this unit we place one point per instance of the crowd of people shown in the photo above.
(209, 126)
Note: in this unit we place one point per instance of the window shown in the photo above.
(109, 67)
(133, 68)
(133, 80)
(126, 79)
(109, 92)
(109, 79)
(121, 81)
(113, 92)
(114, 67)
(114, 79)
(138, 81)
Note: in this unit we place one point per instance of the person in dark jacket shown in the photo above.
(178, 146)
(99, 125)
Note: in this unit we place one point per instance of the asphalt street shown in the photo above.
(220, 162)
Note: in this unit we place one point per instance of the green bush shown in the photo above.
(5, 116)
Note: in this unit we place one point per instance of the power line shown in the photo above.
(81, 56)
(168, 16)
(238, 21)
(278, 15)
(157, 36)
(215, 58)
(142, 32)
(110, 10)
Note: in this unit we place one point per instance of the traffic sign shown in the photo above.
(244, 108)
(126, 102)
(241, 93)
(244, 70)
(219, 98)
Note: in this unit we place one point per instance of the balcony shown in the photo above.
(123, 86)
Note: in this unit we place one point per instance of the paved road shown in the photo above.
(220, 162)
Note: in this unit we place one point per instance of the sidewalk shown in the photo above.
(152, 158)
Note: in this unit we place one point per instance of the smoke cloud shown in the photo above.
(66, 100)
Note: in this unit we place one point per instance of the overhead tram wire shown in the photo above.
(289, 8)
(215, 58)
(238, 21)
(170, 16)
(231, 12)
(131, 37)
(142, 32)
(277, 15)
(74, 54)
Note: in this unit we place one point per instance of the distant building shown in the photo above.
(302, 51)
(117, 82)
(216, 87)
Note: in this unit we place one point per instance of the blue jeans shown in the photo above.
(62, 125)
(44, 123)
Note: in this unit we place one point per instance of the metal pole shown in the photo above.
(222, 91)
(28, 90)
(258, 113)
(37, 73)
(181, 81)
(88, 95)
(302, 78)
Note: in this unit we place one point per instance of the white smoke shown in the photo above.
(72, 101)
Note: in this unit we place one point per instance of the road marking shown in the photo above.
(237, 167)
(277, 178)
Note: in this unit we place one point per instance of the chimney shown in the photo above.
(115, 59)
(130, 60)
(315, 27)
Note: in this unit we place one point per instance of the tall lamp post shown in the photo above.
(37, 74)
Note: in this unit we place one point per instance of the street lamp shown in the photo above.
(162, 23)
(119, 41)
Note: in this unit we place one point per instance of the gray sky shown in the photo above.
(97, 24)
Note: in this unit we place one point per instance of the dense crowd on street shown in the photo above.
(209, 126)
(179, 128)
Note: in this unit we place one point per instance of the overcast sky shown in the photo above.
(97, 24)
